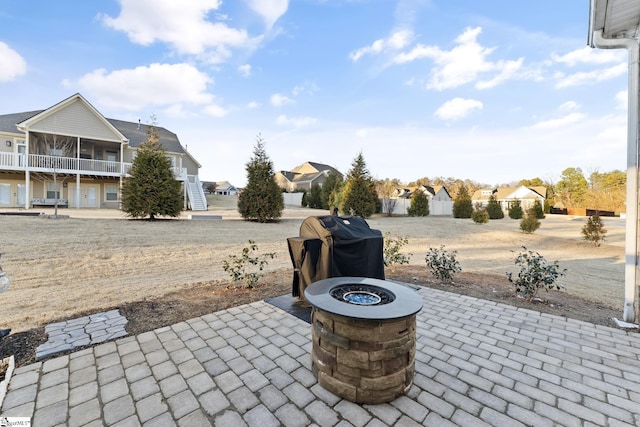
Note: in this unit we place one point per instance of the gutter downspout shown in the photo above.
(631, 235)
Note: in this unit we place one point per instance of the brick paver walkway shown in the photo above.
(478, 363)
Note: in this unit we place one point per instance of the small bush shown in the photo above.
(535, 273)
(594, 231)
(494, 209)
(419, 205)
(529, 223)
(443, 264)
(246, 268)
(391, 250)
(480, 214)
(537, 208)
(515, 211)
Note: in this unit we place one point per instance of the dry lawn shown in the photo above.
(97, 259)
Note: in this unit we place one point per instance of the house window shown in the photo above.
(111, 192)
(52, 191)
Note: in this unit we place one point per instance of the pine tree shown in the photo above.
(529, 223)
(462, 206)
(330, 188)
(359, 196)
(314, 197)
(493, 208)
(515, 211)
(419, 204)
(151, 189)
(594, 231)
(537, 208)
(261, 200)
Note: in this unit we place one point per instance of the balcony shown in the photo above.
(70, 165)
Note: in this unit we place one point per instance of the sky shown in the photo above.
(493, 91)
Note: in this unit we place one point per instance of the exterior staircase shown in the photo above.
(197, 199)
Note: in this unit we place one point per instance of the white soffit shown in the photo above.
(616, 19)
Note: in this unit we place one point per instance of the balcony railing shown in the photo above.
(51, 164)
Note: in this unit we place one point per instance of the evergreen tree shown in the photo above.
(314, 197)
(359, 195)
(330, 189)
(419, 204)
(537, 208)
(480, 214)
(529, 223)
(261, 200)
(594, 231)
(462, 206)
(493, 208)
(515, 212)
(151, 189)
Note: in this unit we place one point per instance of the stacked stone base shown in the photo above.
(363, 360)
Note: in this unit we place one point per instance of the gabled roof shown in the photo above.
(319, 167)
(504, 193)
(129, 132)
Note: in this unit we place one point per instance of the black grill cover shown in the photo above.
(335, 246)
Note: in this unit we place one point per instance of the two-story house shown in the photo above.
(303, 177)
(72, 153)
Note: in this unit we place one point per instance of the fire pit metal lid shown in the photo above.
(406, 302)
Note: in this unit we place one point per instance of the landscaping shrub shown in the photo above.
(419, 204)
(515, 211)
(462, 205)
(493, 208)
(391, 250)
(529, 223)
(443, 264)
(594, 231)
(480, 214)
(246, 268)
(535, 272)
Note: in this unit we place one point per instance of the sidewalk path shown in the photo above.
(478, 363)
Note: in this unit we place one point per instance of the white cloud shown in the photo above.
(591, 77)
(182, 25)
(569, 106)
(588, 55)
(156, 84)
(308, 88)
(278, 100)
(245, 70)
(559, 122)
(253, 104)
(394, 42)
(457, 108)
(214, 110)
(297, 122)
(270, 10)
(12, 64)
(463, 64)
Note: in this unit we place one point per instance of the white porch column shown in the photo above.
(78, 193)
(27, 174)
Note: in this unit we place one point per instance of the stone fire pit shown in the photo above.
(364, 337)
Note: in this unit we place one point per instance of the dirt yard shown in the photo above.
(94, 260)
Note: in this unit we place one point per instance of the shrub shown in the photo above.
(419, 204)
(443, 264)
(594, 231)
(391, 250)
(535, 273)
(462, 205)
(494, 209)
(538, 210)
(529, 223)
(515, 211)
(246, 268)
(480, 215)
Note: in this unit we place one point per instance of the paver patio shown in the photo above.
(477, 363)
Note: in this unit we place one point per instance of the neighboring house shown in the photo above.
(303, 177)
(224, 188)
(440, 201)
(505, 196)
(88, 154)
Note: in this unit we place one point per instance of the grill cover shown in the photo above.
(335, 246)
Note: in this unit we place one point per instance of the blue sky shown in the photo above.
(493, 91)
